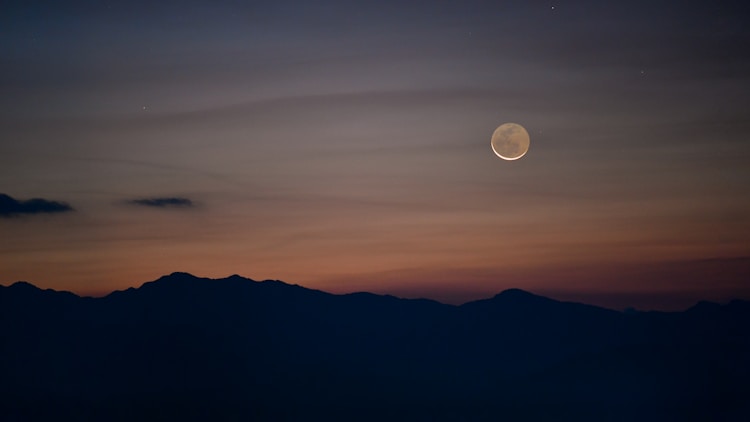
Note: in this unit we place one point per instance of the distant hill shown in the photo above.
(188, 348)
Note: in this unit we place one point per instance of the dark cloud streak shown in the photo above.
(11, 207)
(174, 202)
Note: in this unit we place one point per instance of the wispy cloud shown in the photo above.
(11, 207)
(172, 202)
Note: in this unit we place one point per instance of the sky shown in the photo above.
(345, 146)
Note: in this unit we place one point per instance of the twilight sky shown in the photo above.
(345, 146)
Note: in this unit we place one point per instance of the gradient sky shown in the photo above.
(345, 146)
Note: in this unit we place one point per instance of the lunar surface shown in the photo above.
(510, 141)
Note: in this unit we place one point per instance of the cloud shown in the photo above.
(10, 207)
(175, 202)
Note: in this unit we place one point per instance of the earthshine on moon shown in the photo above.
(510, 141)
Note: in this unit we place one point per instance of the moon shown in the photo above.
(510, 141)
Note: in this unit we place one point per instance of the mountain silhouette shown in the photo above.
(189, 348)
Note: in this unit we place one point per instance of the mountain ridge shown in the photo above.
(185, 347)
(507, 295)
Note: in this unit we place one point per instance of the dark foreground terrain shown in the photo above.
(184, 348)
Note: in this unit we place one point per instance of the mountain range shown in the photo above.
(189, 348)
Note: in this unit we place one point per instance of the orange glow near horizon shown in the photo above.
(452, 257)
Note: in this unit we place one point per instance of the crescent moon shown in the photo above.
(510, 141)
